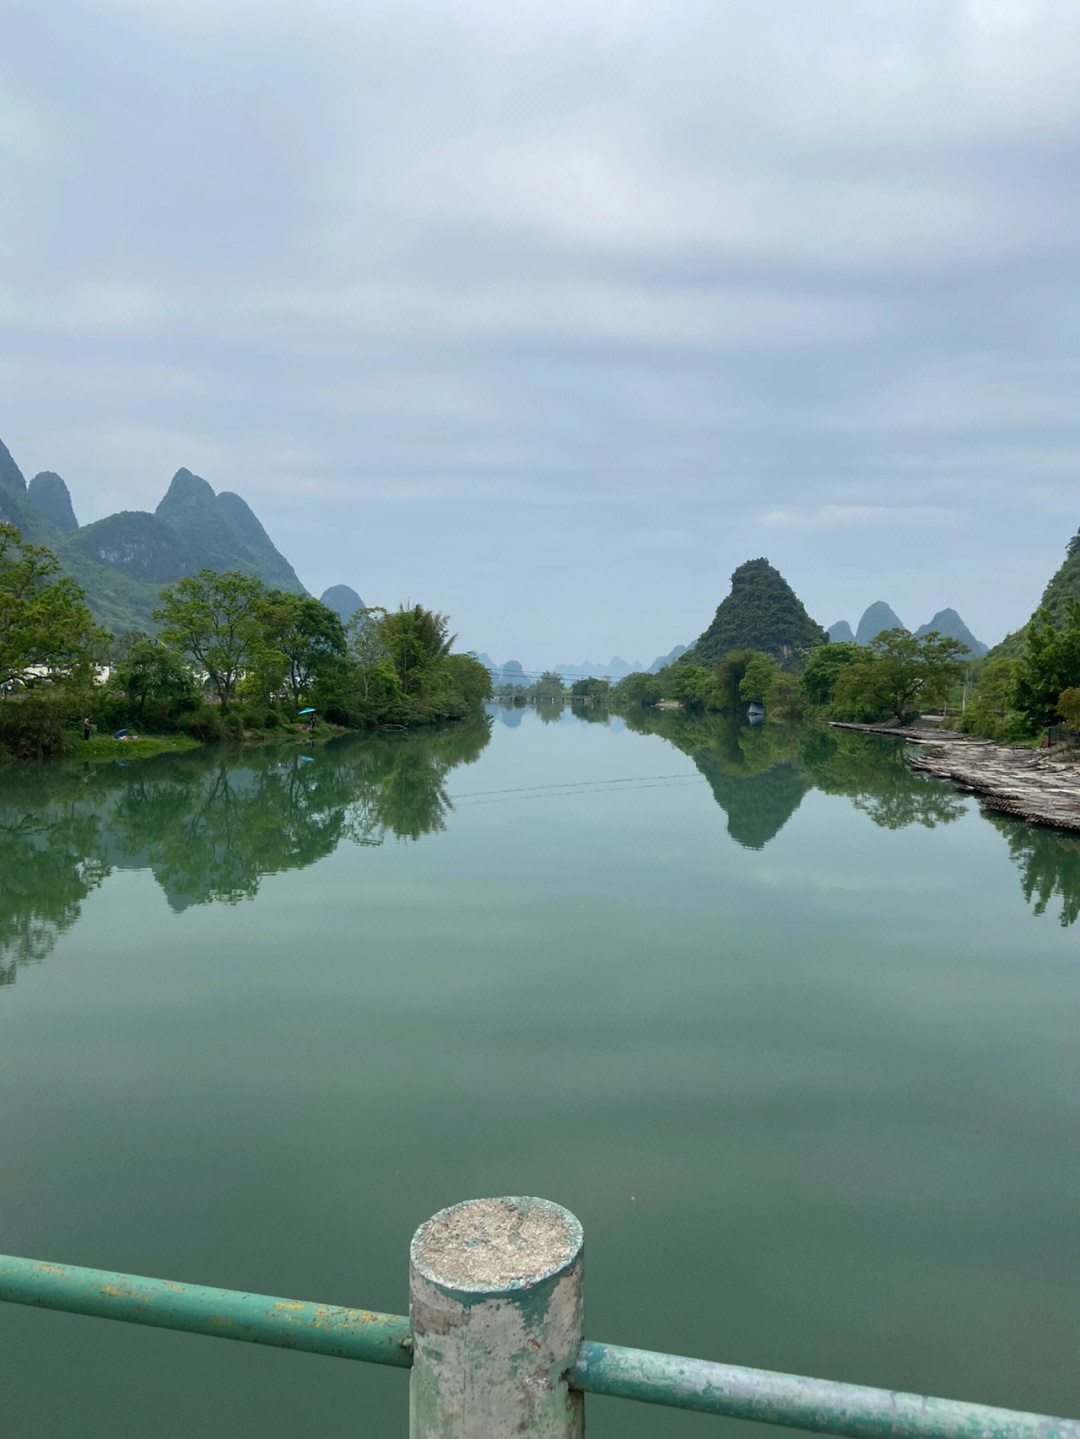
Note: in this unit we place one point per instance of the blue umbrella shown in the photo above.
(307, 712)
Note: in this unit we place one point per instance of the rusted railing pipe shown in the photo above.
(197, 1309)
(563, 1370)
(818, 1405)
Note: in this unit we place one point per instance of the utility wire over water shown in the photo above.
(584, 786)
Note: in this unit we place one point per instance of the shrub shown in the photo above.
(32, 725)
(232, 725)
(202, 724)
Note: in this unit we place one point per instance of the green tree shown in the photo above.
(729, 678)
(44, 623)
(859, 690)
(786, 699)
(368, 654)
(899, 669)
(415, 640)
(548, 687)
(152, 671)
(1068, 707)
(1051, 665)
(596, 689)
(214, 618)
(303, 632)
(991, 711)
(757, 680)
(823, 666)
(637, 688)
(695, 687)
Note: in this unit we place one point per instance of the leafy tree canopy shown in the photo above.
(1051, 664)
(548, 687)
(415, 639)
(151, 670)
(43, 620)
(757, 680)
(304, 632)
(895, 671)
(823, 665)
(214, 618)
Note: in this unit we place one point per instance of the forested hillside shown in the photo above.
(762, 613)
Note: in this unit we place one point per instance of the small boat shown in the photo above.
(756, 713)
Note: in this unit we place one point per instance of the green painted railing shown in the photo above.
(809, 1404)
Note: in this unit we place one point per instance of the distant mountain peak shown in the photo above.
(841, 633)
(221, 532)
(185, 489)
(48, 493)
(877, 617)
(343, 600)
(949, 624)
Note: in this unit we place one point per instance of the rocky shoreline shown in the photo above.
(1040, 786)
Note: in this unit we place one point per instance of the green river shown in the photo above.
(794, 1031)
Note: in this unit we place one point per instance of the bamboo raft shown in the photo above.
(1039, 786)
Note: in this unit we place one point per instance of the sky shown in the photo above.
(548, 316)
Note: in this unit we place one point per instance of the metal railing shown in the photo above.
(482, 1344)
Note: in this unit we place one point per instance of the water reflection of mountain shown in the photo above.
(508, 714)
(755, 774)
(208, 826)
(759, 774)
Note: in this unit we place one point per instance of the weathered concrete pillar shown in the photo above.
(495, 1298)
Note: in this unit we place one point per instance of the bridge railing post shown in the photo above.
(495, 1300)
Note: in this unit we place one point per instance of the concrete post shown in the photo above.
(495, 1299)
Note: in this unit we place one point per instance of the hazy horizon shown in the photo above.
(549, 317)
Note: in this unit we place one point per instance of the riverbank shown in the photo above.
(69, 744)
(1040, 786)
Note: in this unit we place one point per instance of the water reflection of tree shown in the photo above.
(874, 774)
(209, 827)
(49, 863)
(1049, 864)
(550, 711)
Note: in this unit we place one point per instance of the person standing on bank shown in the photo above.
(86, 727)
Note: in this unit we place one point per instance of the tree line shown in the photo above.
(894, 678)
(231, 656)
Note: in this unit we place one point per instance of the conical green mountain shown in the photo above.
(762, 612)
(12, 479)
(15, 507)
(877, 617)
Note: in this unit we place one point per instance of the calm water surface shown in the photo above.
(794, 1032)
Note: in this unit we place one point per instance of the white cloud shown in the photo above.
(833, 517)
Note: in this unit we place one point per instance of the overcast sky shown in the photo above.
(549, 315)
